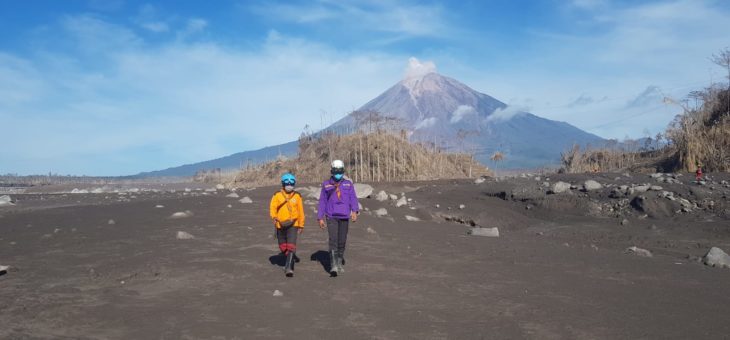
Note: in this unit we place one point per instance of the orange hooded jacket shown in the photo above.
(281, 210)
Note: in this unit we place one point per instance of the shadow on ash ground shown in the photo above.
(558, 270)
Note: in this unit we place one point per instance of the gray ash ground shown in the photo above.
(559, 269)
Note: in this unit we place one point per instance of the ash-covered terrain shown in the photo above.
(589, 256)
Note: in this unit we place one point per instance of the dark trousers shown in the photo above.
(287, 238)
(337, 230)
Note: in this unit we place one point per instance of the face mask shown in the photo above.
(288, 188)
(338, 177)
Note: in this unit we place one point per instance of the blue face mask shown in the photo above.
(337, 177)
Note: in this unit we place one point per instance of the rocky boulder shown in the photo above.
(363, 190)
(591, 185)
(559, 187)
(716, 257)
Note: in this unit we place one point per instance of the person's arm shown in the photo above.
(322, 203)
(300, 207)
(322, 207)
(272, 208)
(354, 206)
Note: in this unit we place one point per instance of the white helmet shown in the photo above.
(338, 164)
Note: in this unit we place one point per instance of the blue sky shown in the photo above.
(117, 87)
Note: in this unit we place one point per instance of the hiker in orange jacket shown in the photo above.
(287, 212)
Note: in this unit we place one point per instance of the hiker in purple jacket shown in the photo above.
(337, 206)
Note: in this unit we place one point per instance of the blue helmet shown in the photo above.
(288, 179)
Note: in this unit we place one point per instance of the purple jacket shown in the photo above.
(331, 205)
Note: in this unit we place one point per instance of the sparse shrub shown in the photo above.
(377, 156)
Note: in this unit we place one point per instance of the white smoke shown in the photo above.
(461, 112)
(426, 123)
(417, 69)
(505, 114)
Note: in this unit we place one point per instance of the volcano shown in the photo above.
(441, 111)
(432, 108)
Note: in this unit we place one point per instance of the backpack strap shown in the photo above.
(286, 200)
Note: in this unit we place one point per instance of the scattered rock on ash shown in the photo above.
(487, 232)
(182, 235)
(182, 214)
(6, 200)
(246, 200)
(639, 251)
(591, 185)
(363, 190)
(381, 212)
(382, 196)
(232, 195)
(716, 257)
(560, 187)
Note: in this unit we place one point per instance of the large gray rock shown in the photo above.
(560, 187)
(590, 185)
(487, 232)
(363, 190)
(716, 257)
(382, 196)
(246, 200)
(642, 188)
(401, 202)
(232, 195)
(381, 212)
(6, 200)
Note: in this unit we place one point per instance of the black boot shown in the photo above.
(333, 263)
(289, 266)
(341, 261)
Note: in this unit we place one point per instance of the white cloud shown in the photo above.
(148, 18)
(177, 103)
(613, 54)
(461, 112)
(505, 114)
(417, 69)
(406, 20)
(651, 95)
(426, 123)
(157, 27)
(589, 4)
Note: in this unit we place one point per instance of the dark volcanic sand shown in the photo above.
(555, 272)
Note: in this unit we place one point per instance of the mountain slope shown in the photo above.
(434, 109)
(234, 161)
(441, 110)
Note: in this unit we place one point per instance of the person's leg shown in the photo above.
(342, 229)
(291, 247)
(281, 238)
(333, 231)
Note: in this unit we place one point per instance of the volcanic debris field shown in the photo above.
(582, 256)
